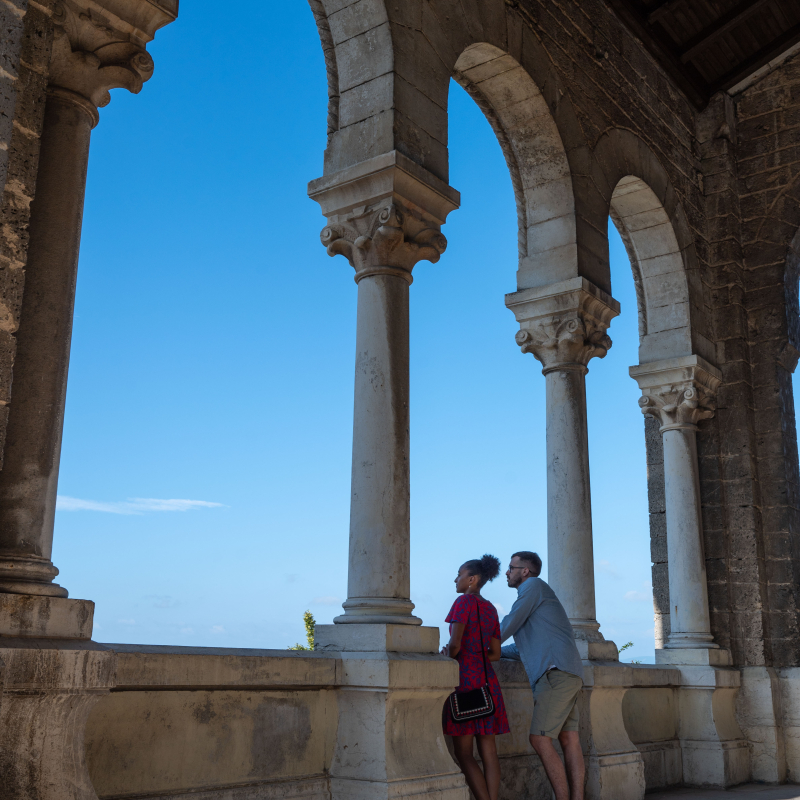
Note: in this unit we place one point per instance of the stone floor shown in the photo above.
(752, 791)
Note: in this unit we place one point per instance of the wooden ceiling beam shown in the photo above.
(664, 8)
(686, 76)
(757, 60)
(703, 40)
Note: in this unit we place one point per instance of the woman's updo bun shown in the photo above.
(486, 568)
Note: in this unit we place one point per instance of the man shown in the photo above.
(544, 642)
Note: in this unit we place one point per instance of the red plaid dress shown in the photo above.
(470, 663)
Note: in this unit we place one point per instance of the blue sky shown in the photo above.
(213, 357)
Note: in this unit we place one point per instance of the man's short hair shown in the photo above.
(530, 560)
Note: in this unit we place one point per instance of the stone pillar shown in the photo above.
(564, 326)
(54, 673)
(678, 393)
(87, 60)
(384, 215)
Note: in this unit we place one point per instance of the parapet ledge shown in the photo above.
(616, 674)
(148, 667)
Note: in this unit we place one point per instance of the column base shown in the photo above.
(29, 575)
(597, 651)
(377, 638)
(592, 646)
(377, 611)
(28, 616)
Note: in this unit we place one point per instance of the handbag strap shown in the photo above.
(483, 649)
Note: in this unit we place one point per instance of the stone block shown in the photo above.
(31, 616)
(377, 638)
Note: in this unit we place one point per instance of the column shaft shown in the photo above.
(569, 506)
(379, 571)
(29, 479)
(690, 624)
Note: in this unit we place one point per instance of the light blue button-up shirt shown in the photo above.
(542, 632)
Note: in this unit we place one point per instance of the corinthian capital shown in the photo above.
(385, 241)
(99, 45)
(678, 392)
(564, 325)
(384, 215)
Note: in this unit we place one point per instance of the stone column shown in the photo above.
(88, 59)
(384, 216)
(678, 393)
(54, 674)
(564, 326)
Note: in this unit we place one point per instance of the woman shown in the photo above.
(465, 647)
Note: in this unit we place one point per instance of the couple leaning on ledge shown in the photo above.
(544, 642)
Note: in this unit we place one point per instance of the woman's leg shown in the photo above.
(487, 747)
(462, 745)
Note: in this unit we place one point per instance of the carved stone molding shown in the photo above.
(99, 46)
(564, 325)
(678, 392)
(386, 241)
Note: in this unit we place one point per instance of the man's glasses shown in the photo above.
(510, 567)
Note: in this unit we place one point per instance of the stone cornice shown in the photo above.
(100, 45)
(678, 392)
(564, 324)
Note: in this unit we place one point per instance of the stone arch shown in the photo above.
(536, 159)
(645, 210)
(389, 68)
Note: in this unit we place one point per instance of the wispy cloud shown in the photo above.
(217, 629)
(133, 505)
(638, 597)
(500, 610)
(326, 600)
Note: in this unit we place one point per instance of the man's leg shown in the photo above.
(576, 769)
(462, 746)
(553, 766)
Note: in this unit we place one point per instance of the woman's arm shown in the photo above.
(494, 650)
(454, 645)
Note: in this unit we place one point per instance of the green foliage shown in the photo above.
(310, 623)
(625, 647)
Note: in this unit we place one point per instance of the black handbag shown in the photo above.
(474, 703)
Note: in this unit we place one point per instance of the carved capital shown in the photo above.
(99, 45)
(384, 214)
(678, 392)
(564, 325)
(384, 241)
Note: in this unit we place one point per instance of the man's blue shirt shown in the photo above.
(542, 632)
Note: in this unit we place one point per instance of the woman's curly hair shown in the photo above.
(486, 568)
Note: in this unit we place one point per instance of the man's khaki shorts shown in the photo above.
(555, 698)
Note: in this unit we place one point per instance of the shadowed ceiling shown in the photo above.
(711, 45)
